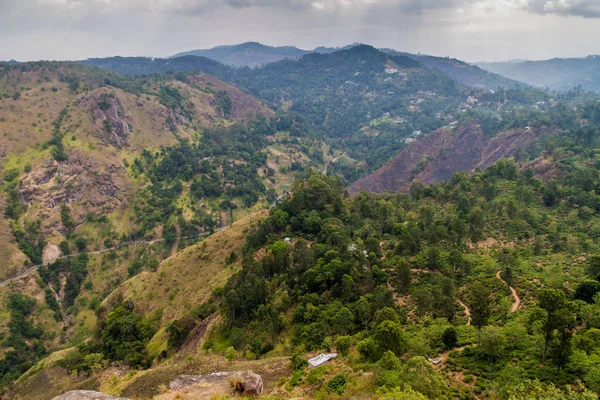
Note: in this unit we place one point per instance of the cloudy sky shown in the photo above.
(473, 30)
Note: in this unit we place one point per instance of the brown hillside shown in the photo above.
(439, 155)
(103, 130)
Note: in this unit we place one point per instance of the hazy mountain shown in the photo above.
(465, 73)
(250, 54)
(556, 74)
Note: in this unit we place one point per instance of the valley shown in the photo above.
(181, 216)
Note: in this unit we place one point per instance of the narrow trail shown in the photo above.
(121, 245)
(442, 357)
(517, 303)
(176, 244)
(467, 312)
(331, 162)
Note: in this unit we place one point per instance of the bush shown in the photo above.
(11, 174)
(230, 353)
(337, 384)
(315, 375)
(81, 244)
(297, 361)
(342, 344)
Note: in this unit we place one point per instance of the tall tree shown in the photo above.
(480, 306)
(551, 301)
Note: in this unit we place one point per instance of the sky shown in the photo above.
(471, 30)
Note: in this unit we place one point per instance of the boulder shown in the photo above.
(51, 253)
(86, 395)
(251, 383)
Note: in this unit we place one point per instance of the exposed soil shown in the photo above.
(514, 294)
(442, 153)
(467, 312)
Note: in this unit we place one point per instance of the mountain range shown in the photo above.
(559, 74)
(432, 223)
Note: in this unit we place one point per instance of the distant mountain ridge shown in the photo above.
(561, 74)
(252, 54)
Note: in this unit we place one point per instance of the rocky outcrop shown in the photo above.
(219, 383)
(50, 253)
(86, 395)
(113, 125)
(437, 156)
(95, 186)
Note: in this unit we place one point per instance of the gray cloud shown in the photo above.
(580, 8)
(467, 29)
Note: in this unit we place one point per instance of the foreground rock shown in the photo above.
(204, 387)
(86, 395)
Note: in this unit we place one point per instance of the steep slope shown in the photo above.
(173, 290)
(436, 157)
(68, 138)
(560, 74)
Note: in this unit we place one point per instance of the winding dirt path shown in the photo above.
(132, 242)
(467, 312)
(517, 303)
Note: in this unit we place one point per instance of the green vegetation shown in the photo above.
(23, 346)
(335, 290)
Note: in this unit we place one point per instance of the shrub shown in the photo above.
(337, 384)
(315, 375)
(11, 174)
(342, 344)
(230, 353)
(297, 361)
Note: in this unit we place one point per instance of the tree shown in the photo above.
(81, 244)
(424, 301)
(593, 268)
(587, 290)
(419, 374)
(480, 305)
(404, 274)
(476, 225)
(450, 337)
(390, 336)
(67, 220)
(565, 322)
(551, 301)
(492, 342)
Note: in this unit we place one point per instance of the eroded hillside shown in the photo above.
(437, 156)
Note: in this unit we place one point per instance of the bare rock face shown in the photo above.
(50, 253)
(218, 383)
(86, 395)
(112, 123)
(87, 185)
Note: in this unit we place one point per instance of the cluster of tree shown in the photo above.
(224, 164)
(121, 336)
(333, 282)
(24, 345)
(72, 270)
